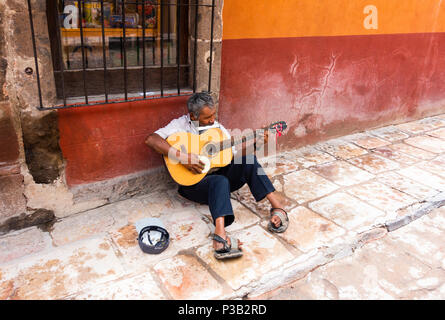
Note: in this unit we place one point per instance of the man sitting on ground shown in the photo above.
(215, 188)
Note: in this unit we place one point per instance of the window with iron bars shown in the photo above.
(108, 51)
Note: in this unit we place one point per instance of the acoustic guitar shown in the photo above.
(212, 148)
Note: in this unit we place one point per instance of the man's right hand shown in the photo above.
(193, 164)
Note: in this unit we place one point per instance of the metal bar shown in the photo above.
(117, 101)
(137, 34)
(121, 68)
(162, 51)
(125, 50)
(195, 53)
(83, 51)
(156, 3)
(211, 46)
(153, 46)
(35, 54)
(153, 49)
(103, 50)
(144, 85)
(178, 44)
(168, 34)
(59, 43)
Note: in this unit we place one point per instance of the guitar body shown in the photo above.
(206, 146)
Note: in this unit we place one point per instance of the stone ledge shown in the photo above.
(124, 187)
(417, 211)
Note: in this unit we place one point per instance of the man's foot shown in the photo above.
(227, 250)
(276, 221)
(279, 220)
(218, 245)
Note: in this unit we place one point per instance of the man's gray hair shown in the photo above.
(198, 101)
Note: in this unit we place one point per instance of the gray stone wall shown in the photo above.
(203, 46)
(12, 200)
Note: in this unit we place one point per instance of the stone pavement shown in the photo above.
(408, 263)
(343, 196)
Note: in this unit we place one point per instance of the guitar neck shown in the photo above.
(228, 143)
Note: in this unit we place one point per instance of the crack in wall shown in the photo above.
(330, 70)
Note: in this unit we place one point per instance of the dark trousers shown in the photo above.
(214, 190)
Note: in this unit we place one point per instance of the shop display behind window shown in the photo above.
(119, 49)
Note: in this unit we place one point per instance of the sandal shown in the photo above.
(284, 220)
(227, 252)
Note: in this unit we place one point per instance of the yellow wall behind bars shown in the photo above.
(305, 18)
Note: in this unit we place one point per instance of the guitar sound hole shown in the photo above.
(210, 149)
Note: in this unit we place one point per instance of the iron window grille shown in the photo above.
(156, 77)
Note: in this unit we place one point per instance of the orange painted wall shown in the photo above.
(314, 64)
(252, 19)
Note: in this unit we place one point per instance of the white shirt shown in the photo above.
(185, 124)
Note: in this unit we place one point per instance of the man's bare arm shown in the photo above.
(160, 145)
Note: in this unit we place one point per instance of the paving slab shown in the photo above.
(406, 185)
(342, 173)
(434, 122)
(262, 208)
(341, 149)
(185, 278)
(436, 218)
(244, 217)
(63, 271)
(83, 225)
(381, 196)
(422, 240)
(428, 143)
(396, 156)
(139, 287)
(389, 133)
(179, 202)
(435, 166)
(187, 228)
(149, 205)
(304, 185)
(24, 242)
(413, 127)
(366, 140)
(347, 211)
(374, 164)
(420, 126)
(412, 151)
(423, 177)
(308, 156)
(275, 166)
(262, 253)
(308, 230)
(438, 133)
